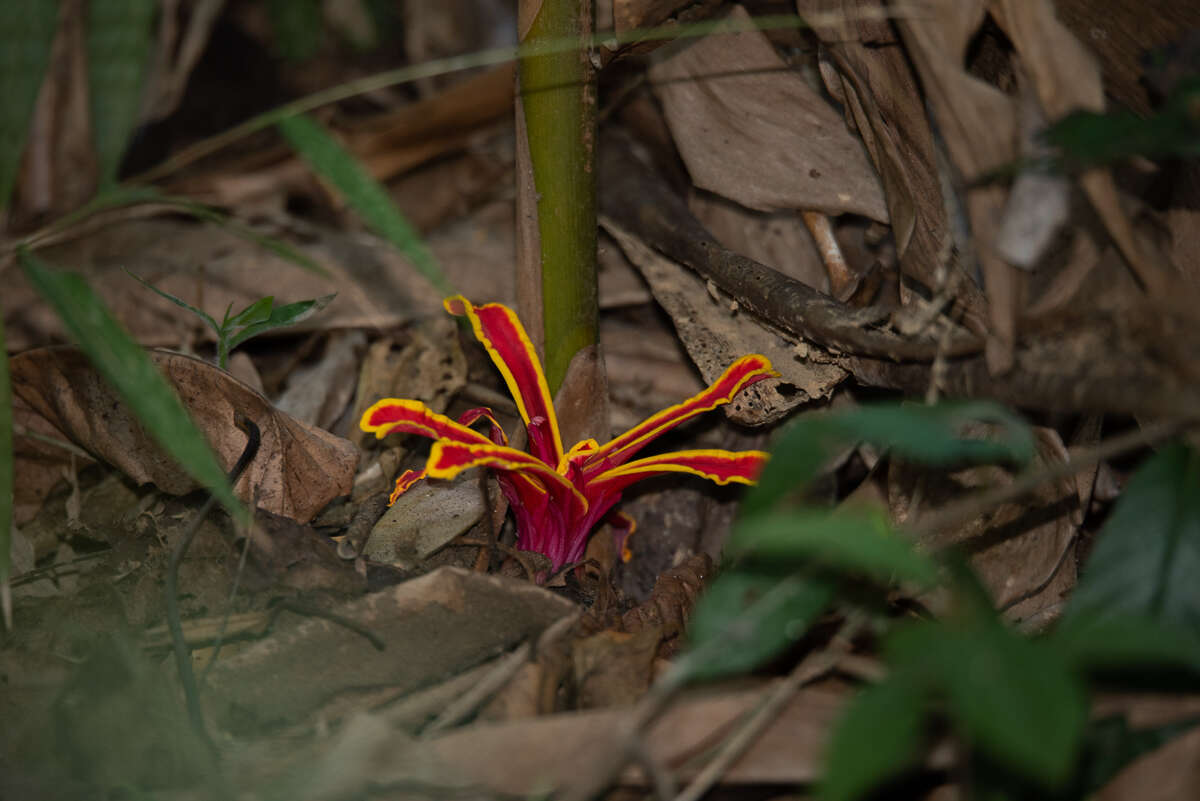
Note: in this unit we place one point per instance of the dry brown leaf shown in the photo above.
(298, 470)
(1067, 78)
(317, 394)
(614, 668)
(1121, 33)
(432, 626)
(881, 95)
(716, 335)
(751, 129)
(211, 267)
(1021, 550)
(779, 240)
(978, 122)
(555, 749)
(1169, 773)
(59, 169)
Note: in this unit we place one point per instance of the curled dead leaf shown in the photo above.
(299, 468)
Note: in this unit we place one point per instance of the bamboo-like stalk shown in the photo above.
(559, 101)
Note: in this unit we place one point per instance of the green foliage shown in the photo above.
(850, 541)
(1019, 704)
(878, 736)
(364, 194)
(927, 435)
(1015, 698)
(746, 618)
(119, 38)
(1147, 556)
(125, 365)
(1089, 139)
(259, 317)
(26, 33)
(297, 25)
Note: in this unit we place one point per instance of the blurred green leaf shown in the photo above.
(298, 26)
(848, 540)
(744, 619)
(1089, 139)
(1147, 555)
(257, 312)
(280, 316)
(26, 33)
(877, 737)
(1115, 643)
(119, 35)
(125, 365)
(364, 194)
(1015, 699)
(929, 435)
(6, 473)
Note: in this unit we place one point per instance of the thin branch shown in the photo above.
(939, 527)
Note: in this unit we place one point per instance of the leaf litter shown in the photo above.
(489, 684)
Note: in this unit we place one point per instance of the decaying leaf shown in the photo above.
(211, 267)
(431, 627)
(751, 129)
(1067, 78)
(978, 123)
(779, 240)
(425, 518)
(872, 75)
(716, 335)
(318, 395)
(298, 470)
(1022, 551)
(1168, 773)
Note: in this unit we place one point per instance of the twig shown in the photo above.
(954, 514)
(521, 559)
(70, 447)
(814, 665)
(183, 658)
(841, 281)
(488, 684)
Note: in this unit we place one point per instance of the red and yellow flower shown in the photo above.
(558, 496)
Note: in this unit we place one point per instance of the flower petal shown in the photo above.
(406, 480)
(447, 459)
(497, 327)
(721, 467)
(741, 374)
(392, 415)
(623, 527)
(496, 434)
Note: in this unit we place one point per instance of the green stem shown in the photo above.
(559, 98)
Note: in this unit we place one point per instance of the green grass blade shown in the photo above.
(6, 481)
(177, 301)
(364, 194)
(26, 33)
(118, 47)
(125, 365)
